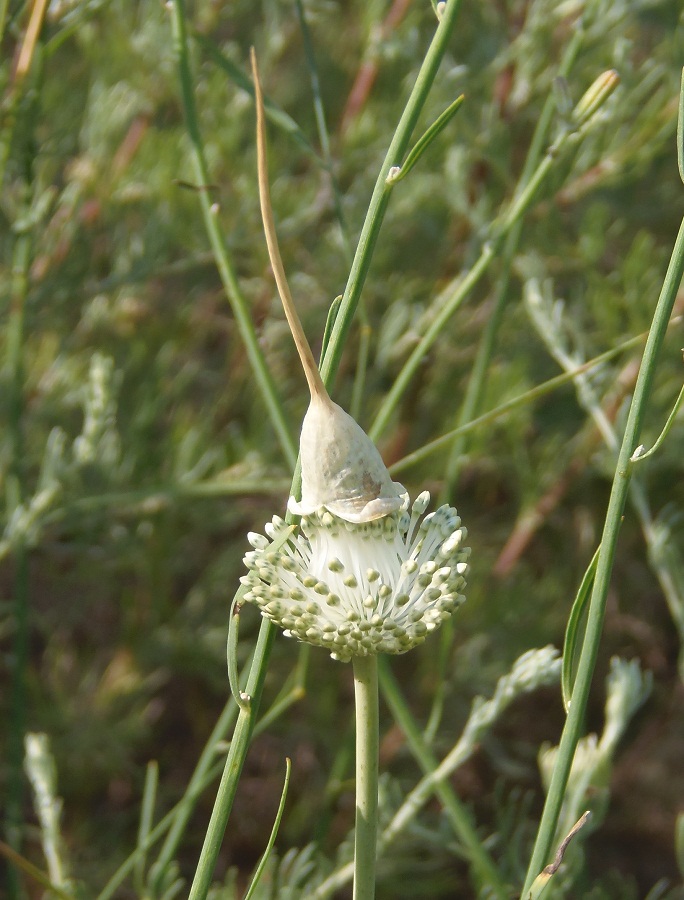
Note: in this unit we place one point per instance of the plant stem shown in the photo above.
(367, 744)
(381, 192)
(16, 493)
(245, 723)
(616, 504)
(237, 299)
(451, 301)
(478, 377)
(233, 767)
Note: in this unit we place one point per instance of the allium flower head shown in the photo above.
(361, 588)
(362, 575)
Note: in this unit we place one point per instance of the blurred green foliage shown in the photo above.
(135, 451)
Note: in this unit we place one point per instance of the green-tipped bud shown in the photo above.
(596, 96)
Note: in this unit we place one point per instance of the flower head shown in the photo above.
(361, 588)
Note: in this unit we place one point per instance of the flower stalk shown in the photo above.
(367, 745)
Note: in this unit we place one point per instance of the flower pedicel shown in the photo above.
(364, 575)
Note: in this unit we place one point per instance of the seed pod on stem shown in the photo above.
(342, 470)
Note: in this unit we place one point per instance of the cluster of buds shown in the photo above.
(361, 588)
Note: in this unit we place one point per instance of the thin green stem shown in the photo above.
(145, 824)
(224, 263)
(478, 377)
(195, 785)
(520, 203)
(15, 495)
(367, 746)
(245, 724)
(233, 767)
(616, 504)
(381, 193)
(263, 862)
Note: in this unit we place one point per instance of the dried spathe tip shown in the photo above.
(342, 469)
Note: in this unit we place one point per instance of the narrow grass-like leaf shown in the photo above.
(145, 826)
(399, 172)
(638, 456)
(231, 651)
(274, 833)
(527, 397)
(572, 631)
(329, 322)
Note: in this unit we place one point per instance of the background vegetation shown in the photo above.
(137, 452)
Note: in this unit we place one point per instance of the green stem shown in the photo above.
(16, 490)
(197, 781)
(501, 228)
(245, 722)
(367, 745)
(237, 299)
(478, 377)
(233, 767)
(541, 390)
(381, 193)
(616, 504)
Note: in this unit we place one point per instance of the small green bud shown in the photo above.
(596, 96)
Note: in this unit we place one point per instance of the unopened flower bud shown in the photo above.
(596, 96)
